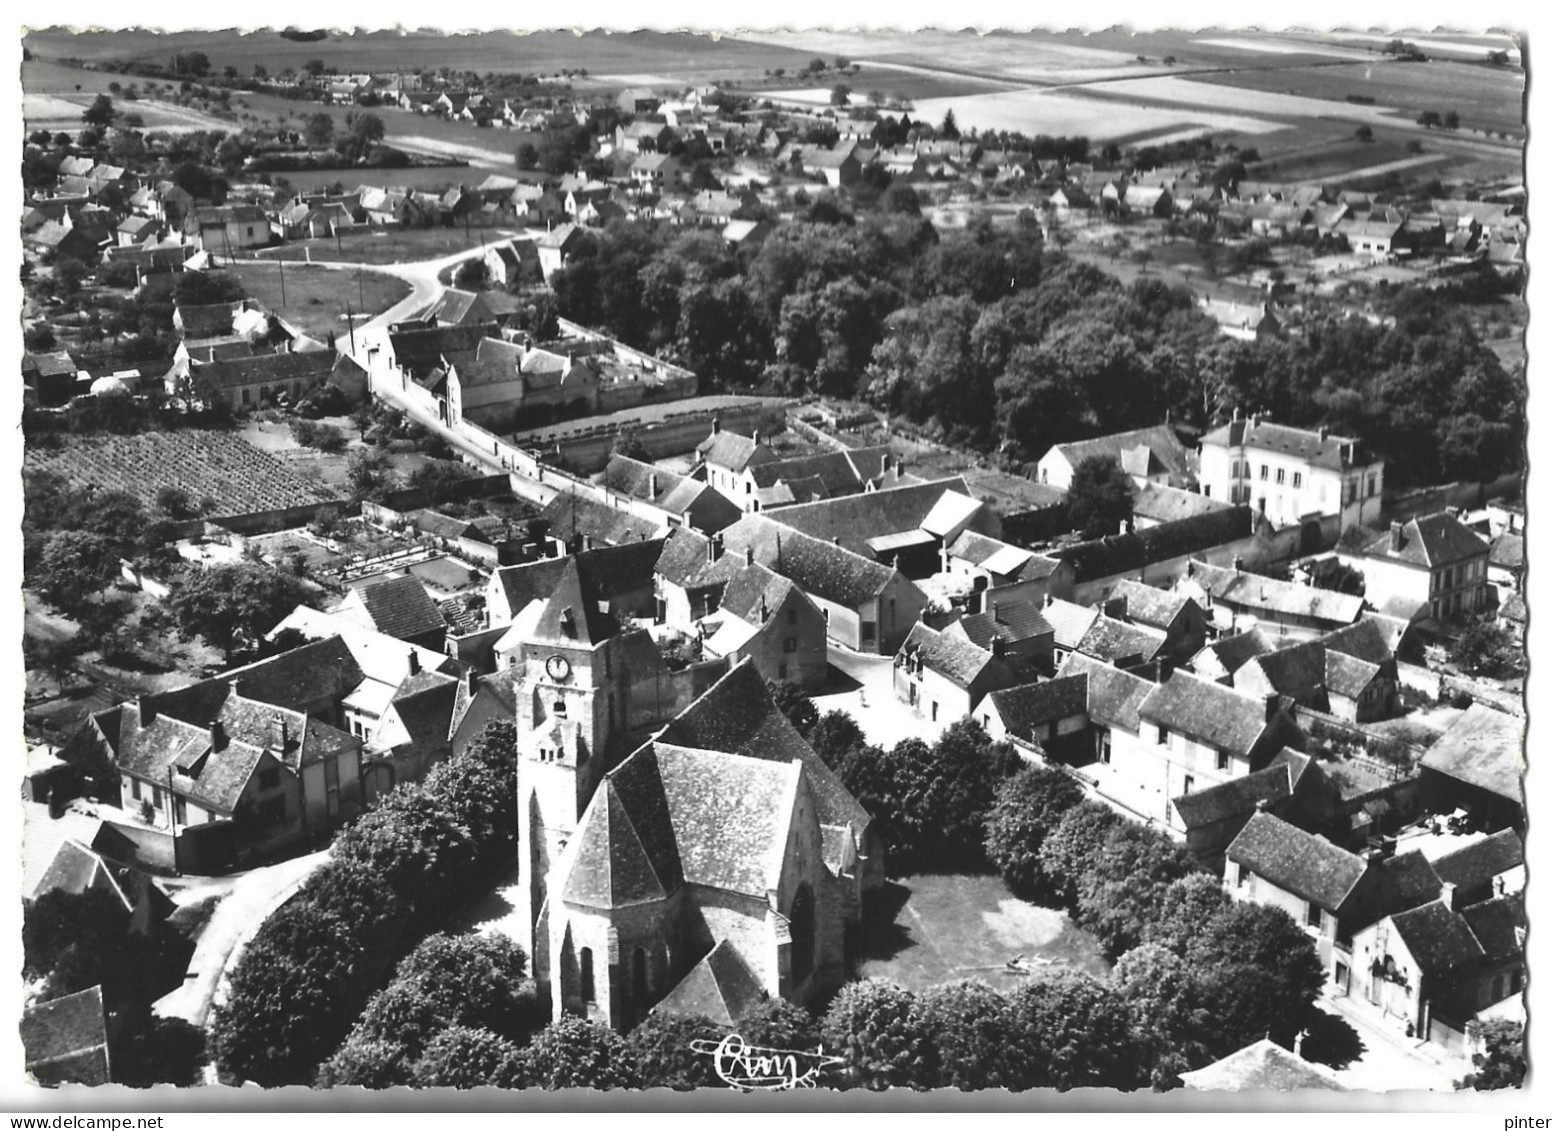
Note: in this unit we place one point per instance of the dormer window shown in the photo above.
(566, 623)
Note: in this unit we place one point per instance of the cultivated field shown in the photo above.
(1056, 112)
(55, 96)
(317, 296)
(205, 464)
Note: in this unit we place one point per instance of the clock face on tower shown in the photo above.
(557, 668)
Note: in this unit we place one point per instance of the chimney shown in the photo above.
(715, 424)
(999, 648)
(218, 739)
(143, 710)
(688, 519)
(1236, 416)
(764, 608)
(279, 733)
(1448, 888)
(1271, 703)
(1349, 452)
(755, 435)
(748, 555)
(1125, 526)
(1322, 433)
(1396, 529)
(899, 468)
(653, 484)
(712, 548)
(471, 681)
(883, 468)
(978, 601)
(1237, 565)
(413, 664)
(1262, 804)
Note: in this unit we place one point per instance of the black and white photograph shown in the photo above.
(794, 560)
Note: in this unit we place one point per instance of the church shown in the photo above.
(718, 861)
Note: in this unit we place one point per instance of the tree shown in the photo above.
(1077, 1032)
(368, 474)
(663, 1056)
(1028, 807)
(314, 68)
(1258, 971)
(1430, 119)
(1100, 498)
(776, 1023)
(1483, 649)
(793, 702)
(472, 275)
(1451, 120)
(288, 998)
(424, 853)
(1184, 910)
(75, 565)
(949, 130)
(840, 95)
(1070, 846)
(319, 129)
(816, 66)
(872, 1027)
(159, 1050)
(101, 113)
(576, 1053)
(227, 604)
(526, 156)
(974, 1035)
(365, 1062)
(1503, 1062)
(1363, 133)
(834, 736)
(1119, 892)
(1169, 1027)
(462, 1057)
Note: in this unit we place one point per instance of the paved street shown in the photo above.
(1389, 1062)
(884, 719)
(253, 897)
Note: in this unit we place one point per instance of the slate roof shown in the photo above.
(823, 569)
(1208, 712)
(1301, 863)
(43, 836)
(1169, 452)
(573, 513)
(855, 519)
(1115, 641)
(1235, 797)
(720, 987)
(424, 348)
(1371, 639)
(666, 490)
(1430, 542)
(1297, 671)
(402, 608)
(1345, 675)
(1115, 696)
(1481, 861)
(75, 869)
(1484, 749)
(1316, 449)
(1507, 551)
(1146, 605)
(1267, 594)
(1261, 1066)
(66, 1040)
(949, 654)
(842, 472)
(737, 716)
(1070, 622)
(604, 573)
(1031, 705)
(425, 704)
(755, 593)
(1438, 939)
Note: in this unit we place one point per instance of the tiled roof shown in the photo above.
(1208, 712)
(949, 654)
(1514, 609)
(572, 513)
(1235, 797)
(402, 608)
(43, 836)
(824, 570)
(734, 451)
(1301, 863)
(1297, 671)
(755, 593)
(1174, 455)
(1371, 639)
(424, 348)
(1167, 504)
(1432, 541)
(1484, 749)
(1146, 605)
(1125, 553)
(664, 489)
(66, 1040)
(605, 573)
(1347, 676)
(1115, 696)
(1233, 651)
(1482, 861)
(1115, 641)
(1070, 622)
(212, 320)
(1261, 1067)
(425, 703)
(841, 472)
(1034, 704)
(1438, 939)
(1267, 594)
(854, 519)
(720, 987)
(1010, 623)
(75, 869)
(1507, 551)
(305, 365)
(1496, 924)
(1316, 449)
(738, 716)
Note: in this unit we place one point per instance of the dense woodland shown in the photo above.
(984, 337)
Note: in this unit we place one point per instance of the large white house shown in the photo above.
(1291, 474)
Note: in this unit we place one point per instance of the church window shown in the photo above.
(587, 976)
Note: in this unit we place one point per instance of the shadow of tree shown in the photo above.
(1331, 1041)
(881, 936)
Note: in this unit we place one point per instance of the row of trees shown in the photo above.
(984, 338)
(397, 873)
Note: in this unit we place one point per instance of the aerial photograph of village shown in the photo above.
(774, 560)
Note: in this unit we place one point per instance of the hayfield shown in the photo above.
(1486, 98)
(1057, 113)
(205, 464)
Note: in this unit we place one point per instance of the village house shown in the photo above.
(1112, 702)
(221, 230)
(1051, 717)
(557, 246)
(1148, 455)
(1238, 601)
(997, 572)
(838, 168)
(769, 620)
(942, 675)
(1291, 474)
(656, 172)
(723, 460)
(582, 521)
(1350, 673)
(1176, 615)
(684, 501)
(1018, 626)
(399, 607)
(1262, 1066)
(1433, 559)
(1476, 767)
(246, 382)
(621, 576)
(1155, 505)
(512, 262)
